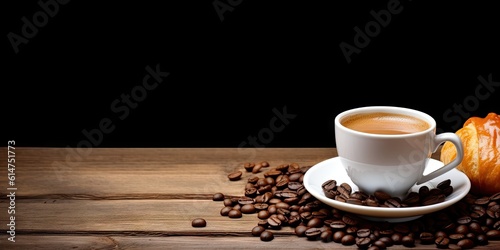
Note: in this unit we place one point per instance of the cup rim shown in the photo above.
(393, 109)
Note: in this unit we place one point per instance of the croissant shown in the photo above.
(481, 144)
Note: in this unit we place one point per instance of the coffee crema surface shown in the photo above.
(385, 123)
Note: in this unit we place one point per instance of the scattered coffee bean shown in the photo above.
(234, 176)
(279, 199)
(267, 236)
(257, 230)
(198, 222)
(249, 166)
(424, 197)
(348, 240)
(218, 197)
(234, 213)
(225, 210)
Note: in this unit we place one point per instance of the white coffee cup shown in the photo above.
(393, 163)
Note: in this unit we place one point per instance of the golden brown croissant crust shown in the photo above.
(481, 143)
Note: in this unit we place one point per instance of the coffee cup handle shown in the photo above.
(438, 140)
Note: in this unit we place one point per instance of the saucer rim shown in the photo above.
(392, 213)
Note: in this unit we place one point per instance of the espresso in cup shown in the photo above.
(385, 123)
(384, 148)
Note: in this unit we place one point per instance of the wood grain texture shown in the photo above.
(142, 198)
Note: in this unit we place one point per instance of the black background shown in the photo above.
(227, 76)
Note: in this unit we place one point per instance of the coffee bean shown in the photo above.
(464, 220)
(372, 202)
(294, 220)
(495, 197)
(345, 190)
(350, 219)
(272, 173)
(295, 185)
(465, 244)
(338, 225)
(218, 197)
(455, 237)
(363, 232)
(433, 199)
(234, 176)
(285, 194)
(248, 209)
(338, 235)
(392, 203)
(260, 206)
(454, 247)
(329, 185)
(315, 222)
(274, 222)
(228, 202)
(426, 238)
(237, 207)
(300, 230)
(198, 222)
(382, 196)
(266, 235)
(493, 234)
(359, 195)
(397, 238)
(313, 233)
(263, 223)
(348, 240)
(444, 184)
(253, 179)
(423, 191)
(363, 242)
(251, 192)
(263, 214)
(377, 244)
(225, 210)
(447, 191)
(326, 236)
(442, 242)
(462, 229)
(482, 240)
(257, 230)
(234, 213)
(256, 169)
(387, 241)
(354, 201)
(408, 241)
(249, 166)
(351, 230)
(411, 199)
(482, 201)
(264, 164)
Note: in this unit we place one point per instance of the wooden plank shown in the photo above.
(57, 242)
(110, 173)
(130, 217)
(63, 224)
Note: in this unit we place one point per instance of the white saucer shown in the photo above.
(332, 169)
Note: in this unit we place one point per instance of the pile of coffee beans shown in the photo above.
(424, 197)
(278, 199)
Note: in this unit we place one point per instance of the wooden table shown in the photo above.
(140, 198)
